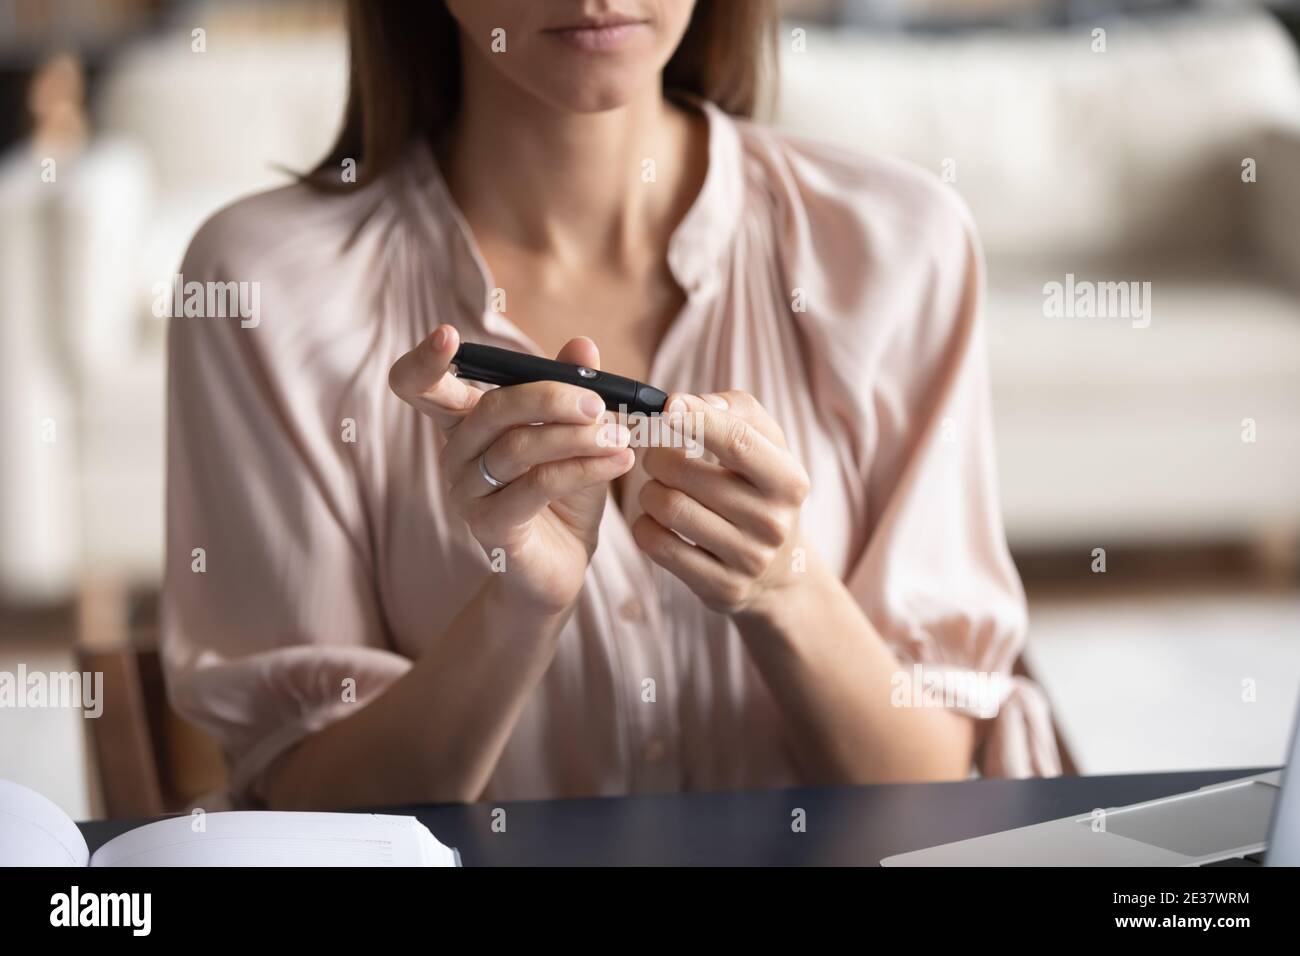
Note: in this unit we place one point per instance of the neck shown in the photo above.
(563, 184)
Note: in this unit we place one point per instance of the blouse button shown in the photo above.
(632, 610)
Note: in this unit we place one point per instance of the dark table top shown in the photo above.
(844, 825)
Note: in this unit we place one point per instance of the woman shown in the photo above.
(385, 585)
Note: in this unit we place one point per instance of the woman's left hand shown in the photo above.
(742, 514)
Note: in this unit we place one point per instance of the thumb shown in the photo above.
(580, 351)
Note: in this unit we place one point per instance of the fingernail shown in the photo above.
(613, 435)
(440, 338)
(590, 404)
(676, 407)
(717, 401)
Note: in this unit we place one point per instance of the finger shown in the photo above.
(713, 582)
(525, 447)
(501, 409)
(521, 500)
(580, 351)
(719, 490)
(746, 406)
(738, 445)
(421, 378)
(679, 512)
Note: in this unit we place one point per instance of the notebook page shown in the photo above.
(35, 832)
(431, 851)
(270, 838)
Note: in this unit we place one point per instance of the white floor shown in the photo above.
(45, 749)
(1165, 683)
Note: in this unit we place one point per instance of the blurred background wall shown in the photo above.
(1150, 462)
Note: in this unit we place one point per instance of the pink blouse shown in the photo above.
(311, 549)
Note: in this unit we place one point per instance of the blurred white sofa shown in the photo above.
(80, 378)
(177, 135)
(1114, 166)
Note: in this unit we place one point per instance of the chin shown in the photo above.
(591, 91)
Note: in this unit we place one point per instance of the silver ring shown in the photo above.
(487, 475)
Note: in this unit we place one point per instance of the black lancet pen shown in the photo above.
(494, 366)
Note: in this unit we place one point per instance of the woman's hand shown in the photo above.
(545, 441)
(742, 514)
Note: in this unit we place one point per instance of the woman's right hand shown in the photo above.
(545, 440)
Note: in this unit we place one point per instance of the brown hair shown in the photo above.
(405, 80)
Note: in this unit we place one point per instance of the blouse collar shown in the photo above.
(697, 251)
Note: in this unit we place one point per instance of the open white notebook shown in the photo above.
(35, 832)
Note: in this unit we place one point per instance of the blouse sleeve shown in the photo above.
(935, 576)
(270, 628)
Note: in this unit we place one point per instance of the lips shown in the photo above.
(600, 34)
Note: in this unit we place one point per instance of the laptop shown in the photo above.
(1224, 824)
